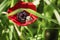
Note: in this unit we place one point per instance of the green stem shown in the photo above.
(19, 33)
(11, 32)
(29, 30)
(54, 11)
(12, 3)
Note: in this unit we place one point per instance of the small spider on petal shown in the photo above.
(23, 18)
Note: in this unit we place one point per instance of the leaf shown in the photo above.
(32, 12)
(13, 2)
(55, 11)
(57, 16)
(11, 32)
(40, 16)
(3, 5)
(15, 12)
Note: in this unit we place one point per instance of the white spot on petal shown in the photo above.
(28, 18)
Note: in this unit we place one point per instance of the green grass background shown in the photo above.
(47, 26)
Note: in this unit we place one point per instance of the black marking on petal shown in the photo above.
(22, 16)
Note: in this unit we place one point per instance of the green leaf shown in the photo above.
(25, 0)
(15, 12)
(11, 32)
(4, 4)
(55, 11)
(40, 16)
(13, 2)
(32, 12)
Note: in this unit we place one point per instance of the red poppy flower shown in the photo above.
(23, 18)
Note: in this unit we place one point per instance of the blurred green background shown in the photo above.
(47, 26)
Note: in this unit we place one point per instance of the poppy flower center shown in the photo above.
(22, 16)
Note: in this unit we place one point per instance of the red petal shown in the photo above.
(31, 6)
(23, 5)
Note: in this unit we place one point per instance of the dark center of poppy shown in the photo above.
(22, 16)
